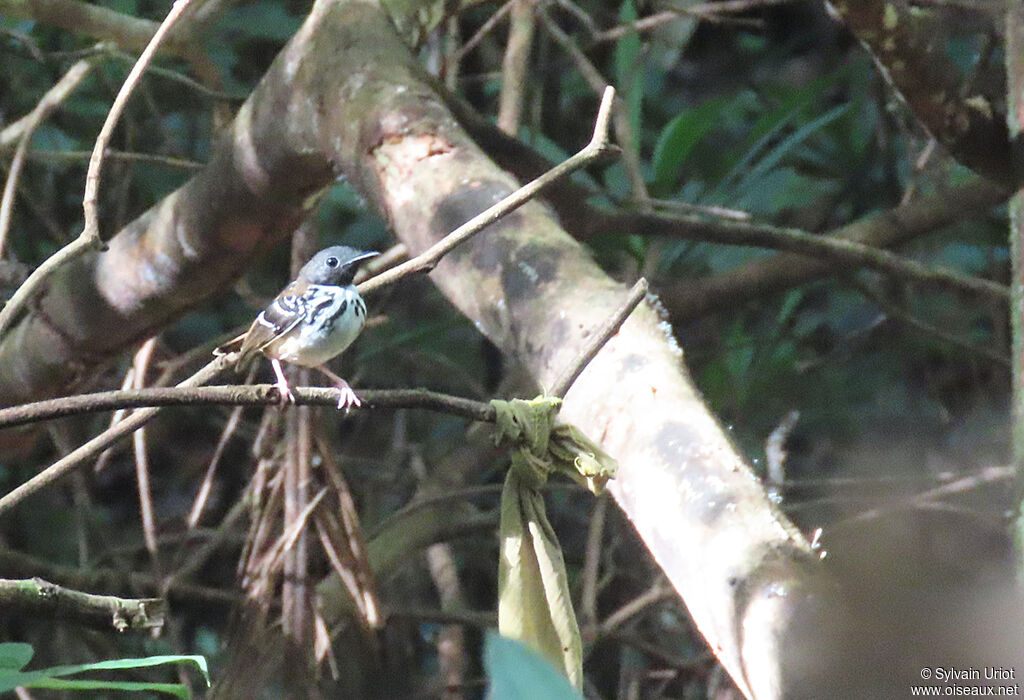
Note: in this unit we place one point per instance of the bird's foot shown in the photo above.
(283, 390)
(347, 397)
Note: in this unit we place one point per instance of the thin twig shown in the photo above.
(91, 233)
(89, 238)
(140, 364)
(976, 480)
(95, 578)
(49, 102)
(623, 127)
(592, 567)
(602, 336)
(126, 156)
(238, 395)
(658, 592)
(206, 487)
(483, 31)
(902, 315)
(598, 147)
(706, 11)
(97, 444)
(828, 249)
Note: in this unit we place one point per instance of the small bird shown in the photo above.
(314, 318)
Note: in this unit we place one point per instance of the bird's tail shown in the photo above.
(234, 345)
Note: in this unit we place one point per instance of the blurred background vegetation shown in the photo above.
(774, 114)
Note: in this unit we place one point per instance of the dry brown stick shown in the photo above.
(91, 233)
(829, 249)
(139, 366)
(598, 147)
(707, 10)
(602, 336)
(342, 537)
(97, 444)
(22, 565)
(206, 486)
(658, 592)
(89, 238)
(126, 156)
(49, 102)
(514, 65)
(592, 567)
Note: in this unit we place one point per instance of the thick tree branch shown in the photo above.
(537, 295)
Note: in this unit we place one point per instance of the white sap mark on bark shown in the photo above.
(529, 271)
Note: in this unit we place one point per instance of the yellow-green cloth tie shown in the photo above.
(534, 605)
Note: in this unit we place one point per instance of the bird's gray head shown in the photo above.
(336, 265)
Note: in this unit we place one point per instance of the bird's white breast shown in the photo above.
(317, 342)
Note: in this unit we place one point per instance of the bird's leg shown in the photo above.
(282, 383)
(348, 397)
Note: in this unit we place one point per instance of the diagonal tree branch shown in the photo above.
(537, 295)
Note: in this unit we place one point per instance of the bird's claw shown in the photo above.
(347, 398)
(285, 392)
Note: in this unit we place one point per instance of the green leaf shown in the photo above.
(678, 138)
(518, 673)
(627, 68)
(15, 655)
(176, 689)
(32, 679)
(789, 304)
(752, 177)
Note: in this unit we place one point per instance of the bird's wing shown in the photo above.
(282, 315)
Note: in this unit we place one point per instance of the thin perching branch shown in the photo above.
(93, 447)
(49, 102)
(89, 238)
(238, 395)
(602, 336)
(599, 147)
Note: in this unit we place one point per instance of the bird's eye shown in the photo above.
(332, 262)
